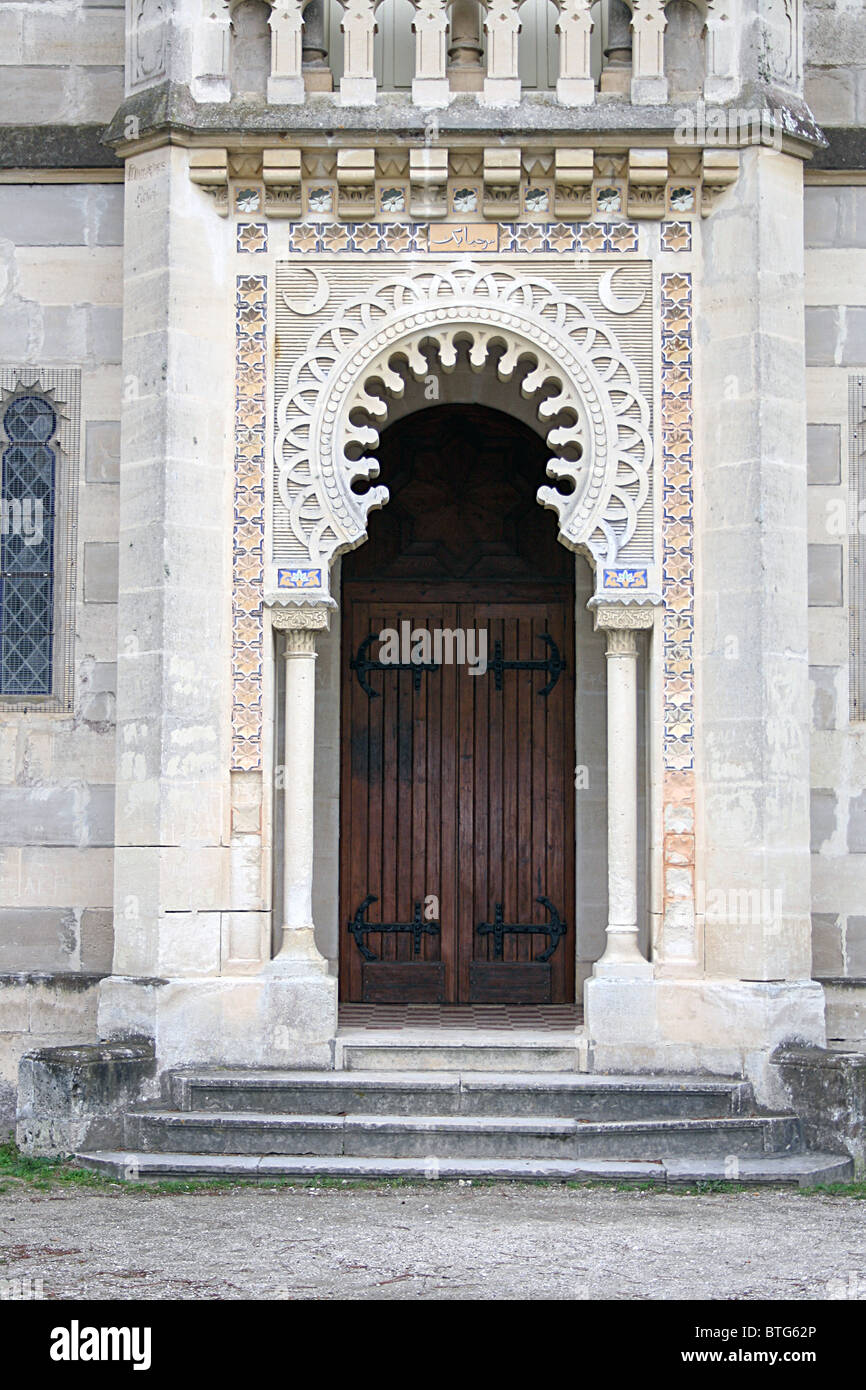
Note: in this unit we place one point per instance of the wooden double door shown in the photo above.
(457, 797)
(457, 789)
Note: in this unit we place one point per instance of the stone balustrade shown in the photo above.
(440, 72)
(461, 46)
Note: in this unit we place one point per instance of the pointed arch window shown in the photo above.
(27, 564)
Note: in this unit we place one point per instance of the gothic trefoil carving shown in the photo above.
(146, 42)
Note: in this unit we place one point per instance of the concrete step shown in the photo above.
(799, 1170)
(574, 1095)
(452, 1136)
(459, 1051)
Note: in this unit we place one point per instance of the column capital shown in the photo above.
(309, 619)
(621, 641)
(622, 616)
(300, 641)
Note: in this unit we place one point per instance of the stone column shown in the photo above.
(575, 86)
(210, 79)
(622, 956)
(298, 951)
(465, 50)
(649, 84)
(314, 54)
(430, 83)
(286, 84)
(616, 75)
(358, 83)
(502, 26)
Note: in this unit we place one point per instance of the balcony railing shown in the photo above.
(642, 50)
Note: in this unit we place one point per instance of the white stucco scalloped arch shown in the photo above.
(328, 416)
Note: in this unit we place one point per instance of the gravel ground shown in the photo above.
(442, 1241)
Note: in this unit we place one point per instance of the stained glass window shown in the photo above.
(29, 483)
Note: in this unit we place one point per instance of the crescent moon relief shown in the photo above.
(330, 413)
(614, 303)
(319, 299)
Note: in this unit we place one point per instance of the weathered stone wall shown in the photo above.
(40, 1009)
(60, 308)
(61, 66)
(62, 62)
(751, 505)
(61, 260)
(835, 350)
(835, 48)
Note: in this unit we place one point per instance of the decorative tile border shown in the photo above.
(335, 237)
(678, 591)
(252, 236)
(625, 579)
(676, 236)
(249, 521)
(617, 238)
(586, 237)
(299, 578)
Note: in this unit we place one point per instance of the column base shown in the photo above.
(286, 91)
(298, 955)
(431, 91)
(318, 78)
(649, 91)
(211, 88)
(616, 81)
(357, 91)
(622, 958)
(501, 91)
(575, 91)
(622, 970)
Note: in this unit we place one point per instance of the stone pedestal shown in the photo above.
(729, 1027)
(616, 74)
(465, 50)
(314, 54)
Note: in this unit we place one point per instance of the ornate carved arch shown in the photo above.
(338, 392)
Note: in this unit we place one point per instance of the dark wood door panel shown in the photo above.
(458, 788)
(461, 793)
(514, 813)
(398, 775)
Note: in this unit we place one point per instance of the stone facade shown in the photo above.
(241, 237)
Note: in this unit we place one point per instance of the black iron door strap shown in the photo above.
(555, 929)
(418, 927)
(361, 665)
(553, 664)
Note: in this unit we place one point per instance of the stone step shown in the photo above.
(453, 1136)
(799, 1170)
(574, 1095)
(453, 1052)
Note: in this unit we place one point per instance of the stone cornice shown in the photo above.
(168, 113)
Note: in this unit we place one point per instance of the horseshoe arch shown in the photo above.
(585, 390)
